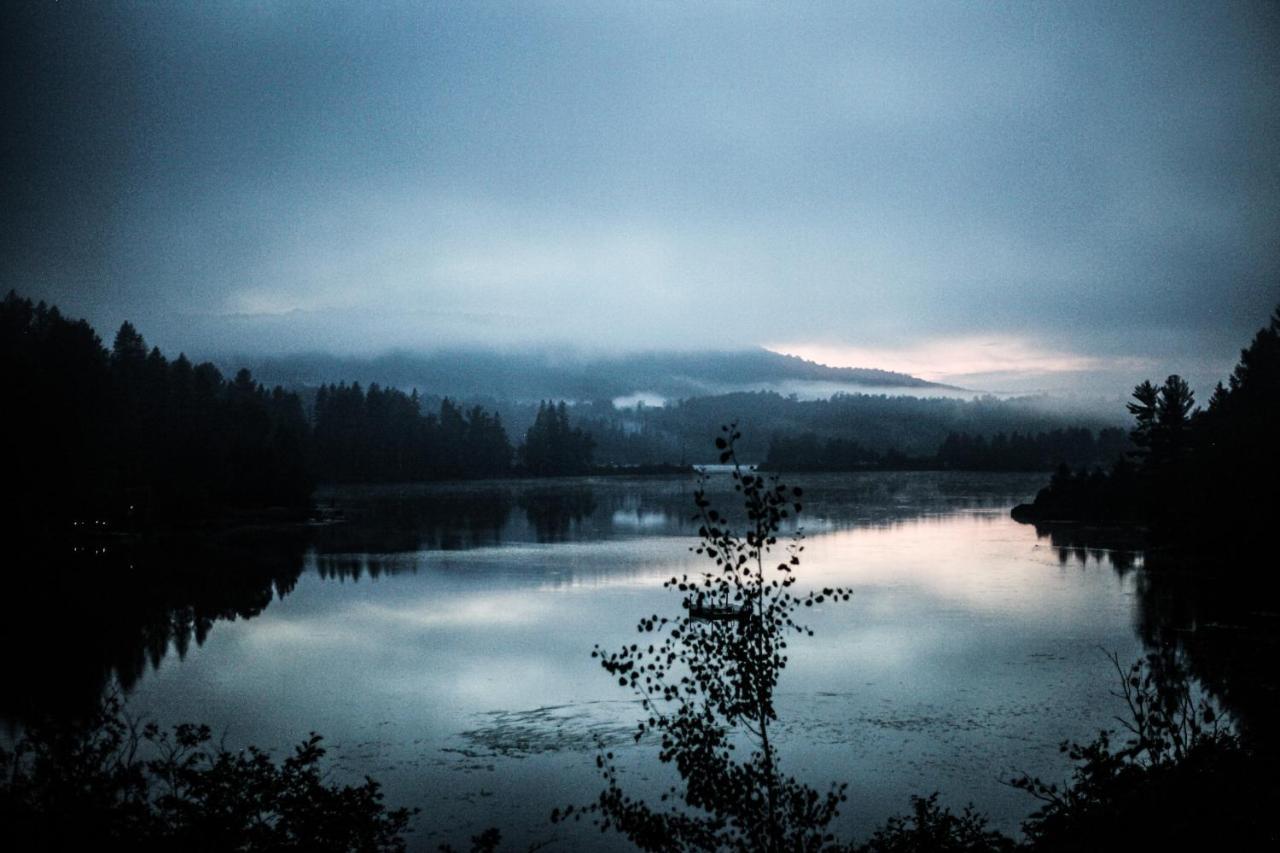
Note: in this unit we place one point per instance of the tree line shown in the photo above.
(382, 435)
(1194, 474)
(125, 433)
(905, 427)
(960, 451)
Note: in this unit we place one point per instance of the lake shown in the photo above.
(440, 638)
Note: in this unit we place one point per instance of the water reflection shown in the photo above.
(1213, 610)
(391, 519)
(1221, 618)
(435, 517)
(557, 514)
(970, 648)
(121, 609)
(1119, 549)
(964, 655)
(95, 614)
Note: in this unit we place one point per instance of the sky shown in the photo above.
(1004, 195)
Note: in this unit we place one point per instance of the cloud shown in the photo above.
(1058, 191)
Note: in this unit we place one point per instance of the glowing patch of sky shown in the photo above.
(948, 359)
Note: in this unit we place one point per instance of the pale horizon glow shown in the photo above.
(947, 360)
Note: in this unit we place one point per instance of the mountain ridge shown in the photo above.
(531, 375)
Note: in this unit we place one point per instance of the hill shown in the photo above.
(527, 376)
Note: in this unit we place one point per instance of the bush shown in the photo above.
(109, 780)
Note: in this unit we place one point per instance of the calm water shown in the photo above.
(440, 639)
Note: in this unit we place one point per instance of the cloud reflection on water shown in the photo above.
(964, 643)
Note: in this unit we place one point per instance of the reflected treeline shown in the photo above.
(886, 499)
(465, 516)
(100, 609)
(363, 528)
(104, 607)
(556, 515)
(1121, 549)
(404, 520)
(108, 606)
(1226, 633)
(366, 529)
(1200, 486)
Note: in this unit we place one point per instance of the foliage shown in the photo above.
(381, 435)
(1016, 451)
(807, 452)
(552, 447)
(1235, 454)
(706, 683)
(128, 433)
(109, 781)
(1179, 779)
(960, 451)
(1201, 477)
(912, 428)
(1090, 495)
(931, 828)
(127, 436)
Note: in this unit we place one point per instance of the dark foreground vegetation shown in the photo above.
(1174, 777)
(110, 782)
(706, 679)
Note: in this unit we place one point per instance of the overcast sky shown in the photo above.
(1013, 194)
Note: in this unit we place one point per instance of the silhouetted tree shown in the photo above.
(382, 436)
(1172, 421)
(1203, 478)
(1181, 778)
(115, 434)
(708, 678)
(108, 782)
(554, 448)
(1145, 404)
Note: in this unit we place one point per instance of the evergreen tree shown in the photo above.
(1146, 401)
(552, 447)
